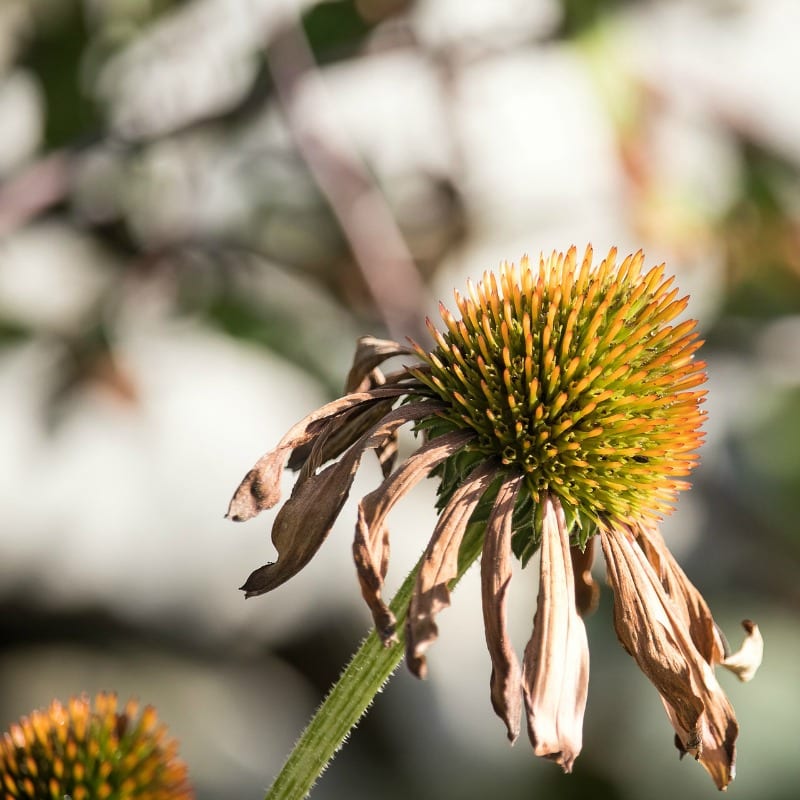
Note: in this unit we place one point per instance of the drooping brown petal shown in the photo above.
(747, 659)
(587, 592)
(337, 436)
(506, 690)
(440, 565)
(306, 518)
(371, 353)
(371, 544)
(555, 676)
(260, 488)
(688, 601)
(655, 633)
(705, 633)
(363, 376)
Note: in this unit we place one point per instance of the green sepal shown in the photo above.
(527, 536)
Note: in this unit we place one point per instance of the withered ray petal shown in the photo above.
(260, 488)
(555, 678)
(587, 592)
(440, 565)
(505, 683)
(747, 659)
(337, 436)
(687, 600)
(371, 542)
(370, 353)
(655, 633)
(304, 521)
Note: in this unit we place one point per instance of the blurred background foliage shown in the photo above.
(204, 202)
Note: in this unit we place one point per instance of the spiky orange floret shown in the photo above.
(576, 376)
(86, 752)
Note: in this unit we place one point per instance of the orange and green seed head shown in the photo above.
(91, 751)
(579, 377)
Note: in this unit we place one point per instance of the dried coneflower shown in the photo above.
(560, 407)
(91, 751)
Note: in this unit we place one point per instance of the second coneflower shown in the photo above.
(91, 750)
(560, 407)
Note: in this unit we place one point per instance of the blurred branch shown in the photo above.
(366, 220)
(42, 185)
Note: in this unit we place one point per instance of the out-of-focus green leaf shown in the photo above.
(335, 30)
(772, 465)
(55, 54)
(12, 332)
(578, 16)
(278, 331)
(769, 290)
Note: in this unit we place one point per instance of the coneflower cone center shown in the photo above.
(576, 377)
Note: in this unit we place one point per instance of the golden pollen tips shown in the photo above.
(575, 376)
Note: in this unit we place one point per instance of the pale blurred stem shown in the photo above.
(366, 220)
(371, 666)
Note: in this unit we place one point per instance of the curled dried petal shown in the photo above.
(495, 579)
(555, 679)
(745, 662)
(370, 353)
(371, 543)
(440, 565)
(363, 376)
(688, 601)
(304, 521)
(336, 437)
(655, 633)
(587, 592)
(260, 488)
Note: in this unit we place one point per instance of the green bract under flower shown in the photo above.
(575, 376)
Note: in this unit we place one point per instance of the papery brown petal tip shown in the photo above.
(418, 666)
(555, 678)
(387, 629)
(512, 735)
(248, 499)
(258, 581)
(415, 653)
(744, 663)
(565, 760)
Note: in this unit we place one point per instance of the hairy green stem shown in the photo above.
(371, 666)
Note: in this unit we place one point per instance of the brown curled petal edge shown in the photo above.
(260, 488)
(337, 436)
(655, 633)
(505, 683)
(747, 659)
(371, 353)
(339, 432)
(687, 600)
(707, 637)
(363, 376)
(440, 565)
(587, 592)
(371, 543)
(304, 521)
(555, 679)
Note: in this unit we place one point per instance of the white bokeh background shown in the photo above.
(120, 505)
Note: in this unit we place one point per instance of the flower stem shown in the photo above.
(371, 666)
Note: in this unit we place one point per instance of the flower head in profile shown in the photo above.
(89, 751)
(560, 407)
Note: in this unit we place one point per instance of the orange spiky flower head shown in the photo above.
(575, 376)
(91, 751)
